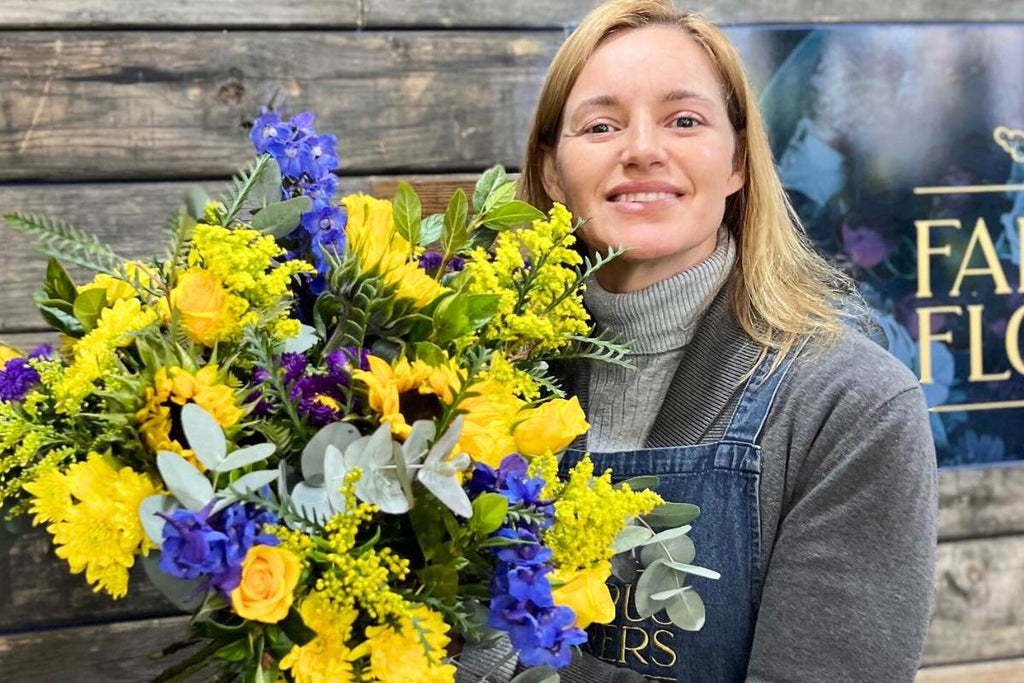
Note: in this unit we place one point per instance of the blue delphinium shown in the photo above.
(198, 545)
(306, 159)
(521, 601)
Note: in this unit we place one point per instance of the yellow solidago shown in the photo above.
(400, 392)
(235, 272)
(95, 353)
(589, 514)
(21, 443)
(175, 386)
(371, 236)
(411, 653)
(550, 311)
(98, 531)
(360, 581)
(327, 658)
(504, 372)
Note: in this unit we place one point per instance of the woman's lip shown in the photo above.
(644, 207)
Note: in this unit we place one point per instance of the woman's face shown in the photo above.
(646, 152)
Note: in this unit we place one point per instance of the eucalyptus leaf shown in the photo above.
(624, 567)
(687, 611)
(185, 595)
(641, 483)
(205, 436)
(152, 523)
(694, 570)
(191, 488)
(678, 548)
(196, 200)
(630, 537)
(668, 534)
(312, 502)
(88, 306)
(338, 434)
(251, 482)
(537, 674)
(657, 578)
(418, 442)
(672, 514)
(407, 212)
(303, 341)
(246, 456)
(281, 218)
(491, 180)
(512, 215)
(267, 190)
(431, 229)
(670, 593)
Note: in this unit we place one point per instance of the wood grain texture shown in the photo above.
(227, 13)
(979, 601)
(92, 654)
(143, 105)
(544, 13)
(37, 590)
(999, 671)
(981, 501)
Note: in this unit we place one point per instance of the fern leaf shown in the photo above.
(66, 242)
(242, 186)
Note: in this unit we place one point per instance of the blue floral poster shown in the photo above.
(902, 149)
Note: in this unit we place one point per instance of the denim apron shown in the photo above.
(722, 478)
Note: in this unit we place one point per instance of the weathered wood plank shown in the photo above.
(981, 501)
(127, 216)
(110, 652)
(543, 13)
(36, 590)
(227, 13)
(140, 105)
(979, 602)
(1000, 671)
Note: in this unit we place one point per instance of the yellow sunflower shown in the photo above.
(172, 388)
(403, 392)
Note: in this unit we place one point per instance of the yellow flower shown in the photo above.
(487, 427)
(403, 392)
(208, 312)
(412, 653)
(370, 229)
(7, 353)
(117, 288)
(586, 592)
(327, 658)
(175, 385)
(551, 426)
(269, 577)
(98, 530)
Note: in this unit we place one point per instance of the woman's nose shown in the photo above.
(643, 146)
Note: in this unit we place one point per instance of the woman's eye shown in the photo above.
(685, 121)
(599, 128)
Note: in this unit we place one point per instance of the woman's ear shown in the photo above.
(739, 164)
(549, 176)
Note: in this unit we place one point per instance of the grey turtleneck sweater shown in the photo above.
(660, 320)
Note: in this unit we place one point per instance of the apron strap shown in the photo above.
(751, 413)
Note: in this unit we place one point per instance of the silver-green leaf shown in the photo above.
(204, 434)
(246, 456)
(152, 523)
(191, 488)
(687, 611)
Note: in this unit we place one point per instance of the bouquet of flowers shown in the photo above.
(329, 429)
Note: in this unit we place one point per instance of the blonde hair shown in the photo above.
(782, 290)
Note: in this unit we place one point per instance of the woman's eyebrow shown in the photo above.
(677, 95)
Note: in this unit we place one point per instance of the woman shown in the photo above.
(805, 444)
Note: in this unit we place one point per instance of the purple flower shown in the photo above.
(430, 261)
(456, 264)
(294, 365)
(338, 360)
(269, 134)
(17, 376)
(321, 399)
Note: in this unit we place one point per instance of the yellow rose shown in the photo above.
(203, 304)
(7, 353)
(552, 426)
(269, 576)
(587, 594)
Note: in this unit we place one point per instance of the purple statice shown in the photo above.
(211, 548)
(339, 360)
(542, 632)
(321, 398)
(294, 366)
(456, 264)
(430, 261)
(17, 375)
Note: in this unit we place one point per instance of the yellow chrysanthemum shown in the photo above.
(98, 531)
(403, 392)
(94, 354)
(327, 658)
(413, 652)
(174, 387)
(371, 235)
(51, 496)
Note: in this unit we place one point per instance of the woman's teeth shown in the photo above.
(643, 196)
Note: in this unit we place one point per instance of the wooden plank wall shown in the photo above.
(109, 109)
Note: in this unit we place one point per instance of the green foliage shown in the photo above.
(281, 218)
(244, 184)
(408, 213)
(65, 242)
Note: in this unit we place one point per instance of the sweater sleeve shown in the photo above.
(849, 584)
